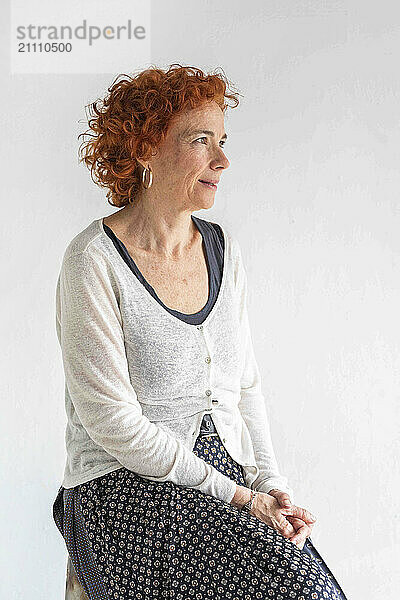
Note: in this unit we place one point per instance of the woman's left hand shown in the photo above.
(303, 522)
(302, 531)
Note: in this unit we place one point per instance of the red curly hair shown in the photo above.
(134, 117)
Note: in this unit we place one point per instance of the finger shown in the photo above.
(282, 497)
(282, 525)
(311, 525)
(300, 544)
(302, 513)
(286, 530)
(297, 522)
(301, 534)
(298, 525)
(284, 500)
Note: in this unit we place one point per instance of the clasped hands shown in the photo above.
(293, 522)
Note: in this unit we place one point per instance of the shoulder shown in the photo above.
(87, 244)
(88, 261)
(83, 239)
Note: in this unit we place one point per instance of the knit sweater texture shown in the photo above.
(138, 380)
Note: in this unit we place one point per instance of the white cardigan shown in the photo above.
(138, 380)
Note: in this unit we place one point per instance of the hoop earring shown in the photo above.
(150, 178)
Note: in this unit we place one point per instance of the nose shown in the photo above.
(221, 160)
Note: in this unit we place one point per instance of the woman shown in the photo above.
(171, 486)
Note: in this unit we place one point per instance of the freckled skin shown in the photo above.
(157, 229)
(183, 159)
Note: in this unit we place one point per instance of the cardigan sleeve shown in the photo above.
(252, 402)
(89, 329)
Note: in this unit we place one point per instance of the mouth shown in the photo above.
(213, 186)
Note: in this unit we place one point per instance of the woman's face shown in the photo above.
(192, 150)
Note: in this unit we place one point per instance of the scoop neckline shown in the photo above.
(147, 285)
(162, 307)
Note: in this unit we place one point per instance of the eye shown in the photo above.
(222, 142)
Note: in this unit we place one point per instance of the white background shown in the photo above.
(312, 194)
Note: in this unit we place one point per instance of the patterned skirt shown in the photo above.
(132, 538)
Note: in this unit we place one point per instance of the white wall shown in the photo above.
(312, 194)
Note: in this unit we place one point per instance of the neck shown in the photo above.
(158, 230)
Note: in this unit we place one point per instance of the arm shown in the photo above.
(252, 403)
(89, 328)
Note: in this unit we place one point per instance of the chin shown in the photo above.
(205, 205)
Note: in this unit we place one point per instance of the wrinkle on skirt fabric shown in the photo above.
(130, 537)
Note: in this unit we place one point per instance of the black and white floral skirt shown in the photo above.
(132, 538)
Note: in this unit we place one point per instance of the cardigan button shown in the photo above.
(208, 392)
(208, 359)
(200, 327)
